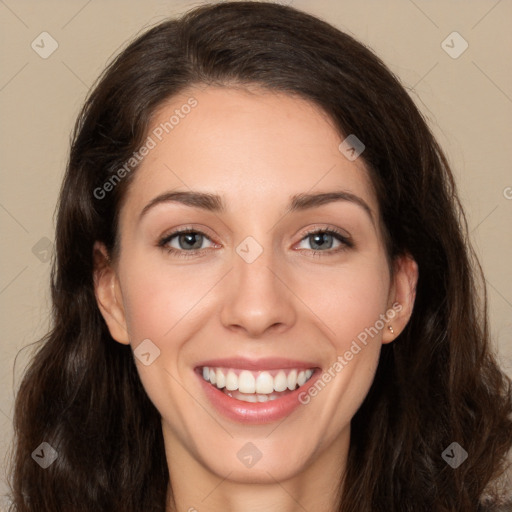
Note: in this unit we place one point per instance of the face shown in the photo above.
(277, 292)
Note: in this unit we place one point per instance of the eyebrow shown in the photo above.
(214, 203)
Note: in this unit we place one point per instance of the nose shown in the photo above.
(257, 297)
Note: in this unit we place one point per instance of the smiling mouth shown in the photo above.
(255, 386)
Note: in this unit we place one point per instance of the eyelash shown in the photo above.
(345, 241)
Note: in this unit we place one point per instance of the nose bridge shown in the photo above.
(257, 299)
(253, 261)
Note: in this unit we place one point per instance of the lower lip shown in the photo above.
(258, 412)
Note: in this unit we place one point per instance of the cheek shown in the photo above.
(350, 305)
(158, 297)
(349, 299)
(161, 305)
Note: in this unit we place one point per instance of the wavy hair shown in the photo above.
(437, 383)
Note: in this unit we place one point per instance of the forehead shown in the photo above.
(252, 146)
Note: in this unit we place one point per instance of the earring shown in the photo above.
(391, 329)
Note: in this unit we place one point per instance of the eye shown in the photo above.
(188, 242)
(184, 242)
(323, 240)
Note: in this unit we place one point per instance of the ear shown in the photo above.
(108, 294)
(401, 297)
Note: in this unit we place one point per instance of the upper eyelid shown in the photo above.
(180, 231)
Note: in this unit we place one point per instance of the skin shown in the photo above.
(256, 149)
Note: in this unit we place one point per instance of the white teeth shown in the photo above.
(253, 398)
(231, 381)
(262, 383)
(281, 382)
(246, 382)
(221, 379)
(292, 379)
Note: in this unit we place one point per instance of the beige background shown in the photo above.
(468, 101)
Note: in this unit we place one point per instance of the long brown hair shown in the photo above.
(438, 383)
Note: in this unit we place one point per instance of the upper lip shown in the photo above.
(266, 363)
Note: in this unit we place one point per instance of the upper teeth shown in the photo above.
(256, 382)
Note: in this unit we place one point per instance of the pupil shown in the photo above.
(321, 238)
(189, 238)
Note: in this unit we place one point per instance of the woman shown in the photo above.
(264, 297)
